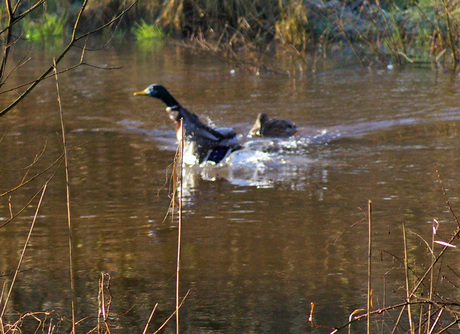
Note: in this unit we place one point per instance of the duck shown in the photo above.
(266, 127)
(205, 143)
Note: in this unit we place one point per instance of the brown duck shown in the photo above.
(266, 127)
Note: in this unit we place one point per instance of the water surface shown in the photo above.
(279, 226)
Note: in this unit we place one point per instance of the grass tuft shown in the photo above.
(145, 31)
(47, 28)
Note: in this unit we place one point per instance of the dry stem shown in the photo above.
(67, 187)
(369, 264)
(179, 230)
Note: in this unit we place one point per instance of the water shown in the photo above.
(280, 225)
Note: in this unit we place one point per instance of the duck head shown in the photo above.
(159, 92)
(266, 127)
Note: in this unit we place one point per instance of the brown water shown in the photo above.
(280, 225)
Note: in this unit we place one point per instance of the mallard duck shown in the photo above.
(266, 127)
(206, 143)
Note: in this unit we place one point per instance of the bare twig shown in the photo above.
(16, 19)
(23, 183)
(13, 216)
(150, 319)
(56, 162)
(68, 69)
(339, 23)
(36, 158)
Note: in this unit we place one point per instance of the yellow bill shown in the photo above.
(142, 92)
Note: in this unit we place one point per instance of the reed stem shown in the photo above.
(433, 258)
(67, 187)
(406, 269)
(369, 268)
(179, 231)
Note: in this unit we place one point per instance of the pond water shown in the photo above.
(264, 234)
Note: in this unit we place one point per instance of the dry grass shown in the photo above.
(425, 309)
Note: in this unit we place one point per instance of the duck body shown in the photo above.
(204, 142)
(266, 127)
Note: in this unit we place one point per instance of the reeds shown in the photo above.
(425, 309)
(376, 33)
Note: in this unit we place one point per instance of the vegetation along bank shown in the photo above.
(375, 33)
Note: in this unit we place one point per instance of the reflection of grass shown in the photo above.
(47, 28)
(145, 31)
(148, 45)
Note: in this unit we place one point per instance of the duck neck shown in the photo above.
(169, 100)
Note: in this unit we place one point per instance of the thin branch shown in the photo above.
(92, 32)
(23, 14)
(23, 183)
(36, 158)
(74, 39)
(23, 208)
(6, 50)
(70, 68)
